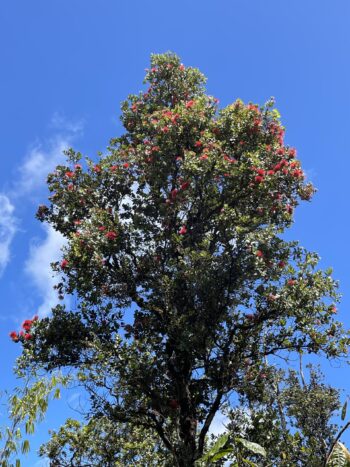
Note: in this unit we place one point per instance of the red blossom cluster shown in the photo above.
(284, 166)
(24, 334)
(64, 264)
(111, 235)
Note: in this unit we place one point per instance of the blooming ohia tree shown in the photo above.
(186, 287)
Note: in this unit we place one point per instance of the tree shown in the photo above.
(186, 289)
(292, 417)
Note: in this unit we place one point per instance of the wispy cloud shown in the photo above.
(38, 267)
(40, 160)
(38, 163)
(43, 157)
(8, 229)
(61, 123)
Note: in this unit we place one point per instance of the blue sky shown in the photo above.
(67, 65)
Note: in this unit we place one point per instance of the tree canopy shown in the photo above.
(186, 288)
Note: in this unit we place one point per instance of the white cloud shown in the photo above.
(38, 163)
(43, 158)
(40, 160)
(38, 267)
(30, 184)
(7, 230)
(60, 122)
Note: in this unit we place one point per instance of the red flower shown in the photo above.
(102, 228)
(64, 264)
(292, 152)
(291, 282)
(228, 159)
(183, 230)
(165, 129)
(333, 309)
(113, 168)
(126, 165)
(27, 337)
(189, 104)
(70, 174)
(111, 235)
(77, 167)
(281, 264)
(185, 185)
(181, 67)
(97, 168)
(70, 187)
(253, 107)
(204, 157)
(261, 172)
(173, 193)
(198, 144)
(259, 179)
(259, 254)
(14, 336)
(270, 172)
(298, 173)
(27, 324)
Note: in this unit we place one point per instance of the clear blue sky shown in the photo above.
(67, 65)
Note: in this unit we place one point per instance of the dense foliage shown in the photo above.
(186, 289)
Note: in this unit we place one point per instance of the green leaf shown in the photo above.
(340, 456)
(221, 454)
(220, 443)
(252, 447)
(25, 447)
(217, 449)
(343, 411)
